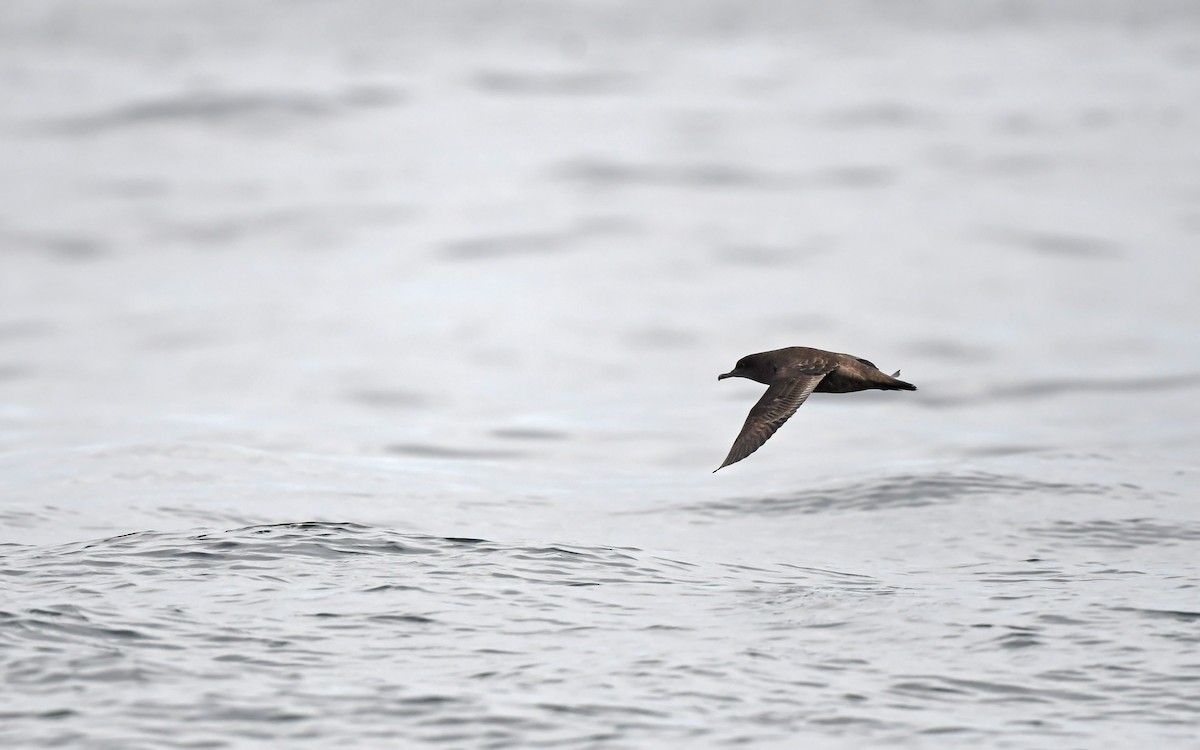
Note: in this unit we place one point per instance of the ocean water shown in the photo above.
(358, 374)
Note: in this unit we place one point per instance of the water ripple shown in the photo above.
(543, 83)
(296, 634)
(1122, 533)
(1050, 388)
(897, 491)
(225, 108)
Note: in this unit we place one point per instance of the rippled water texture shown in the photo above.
(358, 374)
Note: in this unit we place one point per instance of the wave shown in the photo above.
(896, 491)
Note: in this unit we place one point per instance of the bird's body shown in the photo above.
(792, 374)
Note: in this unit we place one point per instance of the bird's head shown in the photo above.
(756, 367)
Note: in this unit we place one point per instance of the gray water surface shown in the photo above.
(358, 375)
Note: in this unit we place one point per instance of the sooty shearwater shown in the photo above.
(792, 374)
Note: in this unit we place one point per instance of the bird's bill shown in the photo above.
(725, 375)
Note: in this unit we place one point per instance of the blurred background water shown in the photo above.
(358, 374)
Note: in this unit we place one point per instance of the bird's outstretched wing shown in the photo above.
(778, 404)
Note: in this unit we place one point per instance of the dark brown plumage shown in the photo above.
(792, 374)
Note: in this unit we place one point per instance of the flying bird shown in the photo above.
(792, 374)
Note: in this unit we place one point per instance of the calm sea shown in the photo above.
(358, 374)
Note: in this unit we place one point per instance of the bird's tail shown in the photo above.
(893, 383)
